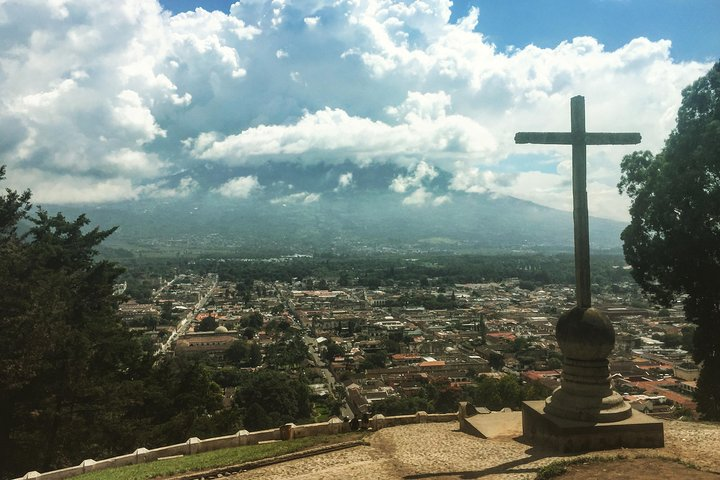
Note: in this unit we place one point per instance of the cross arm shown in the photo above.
(545, 138)
(612, 138)
(566, 138)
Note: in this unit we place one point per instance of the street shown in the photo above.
(327, 375)
(184, 324)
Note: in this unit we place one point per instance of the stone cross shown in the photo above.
(579, 139)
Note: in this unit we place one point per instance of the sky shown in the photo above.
(103, 101)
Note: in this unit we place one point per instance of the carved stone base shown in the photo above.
(637, 431)
(585, 394)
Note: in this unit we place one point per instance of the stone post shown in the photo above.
(241, 437)
(193, 445)
(286, 431)
(88, 465)
(377, 421)
(141, 455)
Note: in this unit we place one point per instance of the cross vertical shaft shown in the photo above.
(579, 139)
(580, 206)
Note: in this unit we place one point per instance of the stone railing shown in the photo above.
(195, 445)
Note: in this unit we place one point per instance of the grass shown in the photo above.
(215, 459)
(558, 467)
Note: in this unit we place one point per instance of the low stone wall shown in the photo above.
(195, 445)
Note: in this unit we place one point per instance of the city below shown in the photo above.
(369, 350)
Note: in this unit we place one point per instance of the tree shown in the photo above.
(332, 350)
(254, 355)
(673, 240)
(166, 313)
(671, 340)
(208, 324)
(374, 360)
(14, 207)
(178, 396)
(69, 369)
(288, 352)
(271, 398)
(75, 383)
(254, 320)
(688, 333)
(237, 353)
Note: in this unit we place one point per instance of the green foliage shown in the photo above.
(374, 360)
(244, 354)
(287, 352)
(430, 302)
(178, 396)
(76, 383)
(139, 289)
(688, 336)
(166, 313)
(275, 326)
(443, 397)
(271, 398)
(392, 346)
(671, 340)
(673, 240)
(253, 320)
(14, 207)
(208, 324)
(402, 406)
(554, 469)
(254, 355)
(69, 368)
(436, 269)
(554, 363)
(332, 350)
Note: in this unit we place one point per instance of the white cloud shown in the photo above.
(345, 180)
(300, 197)
(311, 22)
(49, 188)
(239, 187)
(185, 187)
(422, 171)
(135, 162)
(418, 197)
(334, 135)
(441, 200)
(421, 197)
(92, 88)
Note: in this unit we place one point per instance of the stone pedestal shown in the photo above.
(570, 436)
(584, 413)
(586, 338)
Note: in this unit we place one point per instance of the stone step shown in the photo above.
(495, 425)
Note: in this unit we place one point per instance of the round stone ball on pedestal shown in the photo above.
(585, 334)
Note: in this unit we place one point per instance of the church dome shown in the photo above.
(221, 329)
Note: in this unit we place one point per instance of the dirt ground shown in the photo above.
(635, 469)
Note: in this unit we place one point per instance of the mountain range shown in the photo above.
(293, 208)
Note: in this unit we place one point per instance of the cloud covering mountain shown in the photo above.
(103, 101)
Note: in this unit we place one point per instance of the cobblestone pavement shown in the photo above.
(441, 451)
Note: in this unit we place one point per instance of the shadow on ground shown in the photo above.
(534, 454)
